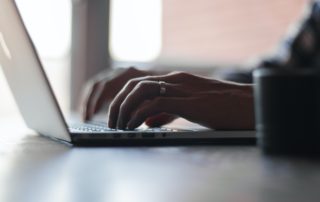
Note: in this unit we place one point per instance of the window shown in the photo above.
(202, 31)
(135, 29)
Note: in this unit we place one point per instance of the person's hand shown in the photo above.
(212, 103)
(103, 88)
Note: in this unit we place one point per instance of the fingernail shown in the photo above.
(120, 125)
(111, 124)
(131, 125)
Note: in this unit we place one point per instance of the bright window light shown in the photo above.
(48, 22)
(135, 29)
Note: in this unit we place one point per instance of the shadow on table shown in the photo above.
(40, 170)
(33, 170)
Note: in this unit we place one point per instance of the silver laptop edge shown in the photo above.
(23, 70)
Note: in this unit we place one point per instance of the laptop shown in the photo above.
(38, 105)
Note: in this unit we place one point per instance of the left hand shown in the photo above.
(212, 103)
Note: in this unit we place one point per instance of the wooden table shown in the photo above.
(36, 169)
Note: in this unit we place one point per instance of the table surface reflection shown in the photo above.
(36, 169)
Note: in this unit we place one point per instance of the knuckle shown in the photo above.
(132, 69)
(148, 77)
(122, 108)
(142, 85)
(96, 80)
(104, 83)
(180, 74)
(113, 107)
(98, 85)
(132, 83)
(111, 111)
(92, 84)
(175, 73)
(183, 74)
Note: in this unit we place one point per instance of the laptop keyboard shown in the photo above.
(101, 128)
(90, 128)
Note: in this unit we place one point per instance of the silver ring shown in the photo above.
(163, 88)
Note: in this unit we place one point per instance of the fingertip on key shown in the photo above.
(131, 125)
(111, 124)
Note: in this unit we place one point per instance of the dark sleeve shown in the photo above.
(299, 49)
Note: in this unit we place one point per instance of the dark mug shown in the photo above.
(287, 103)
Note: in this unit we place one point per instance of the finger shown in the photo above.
(175, 106)
(87, 109)
(115, 104)
(112, 86)
(160, 120)
(130, 85)
(145, 90)
(119, 98)
(101, 96)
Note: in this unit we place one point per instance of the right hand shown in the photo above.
(212, 103)
(103, 88)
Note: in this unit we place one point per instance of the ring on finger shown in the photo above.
(163, 88)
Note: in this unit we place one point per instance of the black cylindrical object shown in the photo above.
(287, 110)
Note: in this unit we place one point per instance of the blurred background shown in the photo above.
(72, 36)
